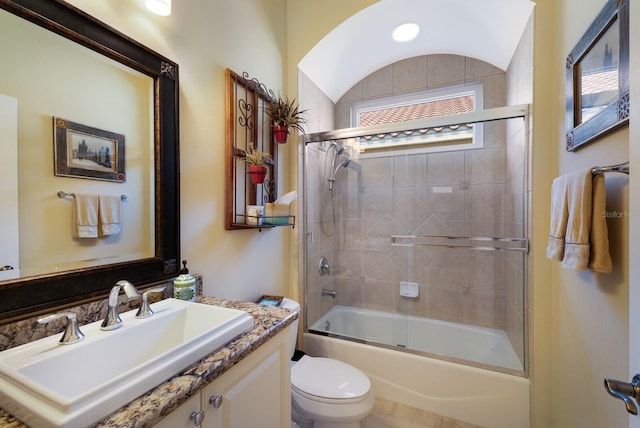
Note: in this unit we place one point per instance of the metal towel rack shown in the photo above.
(621, 167)
(482, 243)
(62, 194)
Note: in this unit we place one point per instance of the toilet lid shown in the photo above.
(328, 378)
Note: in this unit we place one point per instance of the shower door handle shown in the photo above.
(624, 391)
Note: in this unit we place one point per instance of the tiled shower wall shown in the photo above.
(454, 193)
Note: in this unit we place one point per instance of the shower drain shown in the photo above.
(327, 326)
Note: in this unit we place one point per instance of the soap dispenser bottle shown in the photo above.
(184, 286)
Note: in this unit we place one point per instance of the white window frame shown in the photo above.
(428, 143)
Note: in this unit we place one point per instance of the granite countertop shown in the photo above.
(149, 408)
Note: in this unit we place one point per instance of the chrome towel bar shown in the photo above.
(62, 194)
(481, 243)
(621, 167)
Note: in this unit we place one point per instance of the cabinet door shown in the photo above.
(182, 416)
(252, 399)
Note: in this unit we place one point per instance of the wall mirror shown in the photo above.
(597, 84)
(144, 109)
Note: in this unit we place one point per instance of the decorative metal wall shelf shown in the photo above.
(247, 125)
(265, 222)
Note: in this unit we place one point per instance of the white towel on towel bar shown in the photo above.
(109, 213)
(578, 234)
(85, 216)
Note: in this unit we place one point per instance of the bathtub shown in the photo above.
(485, 346)
(475, 395)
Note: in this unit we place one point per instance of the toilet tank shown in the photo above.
(293, 335)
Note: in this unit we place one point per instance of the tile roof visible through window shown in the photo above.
(442, 107)
(600, 81)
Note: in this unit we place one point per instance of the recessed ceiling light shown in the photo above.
(406, 32)
(159, 7)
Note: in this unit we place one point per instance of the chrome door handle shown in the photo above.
(625, 392)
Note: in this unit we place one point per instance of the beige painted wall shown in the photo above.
(580, 319)
(634, 201)
(205, 37)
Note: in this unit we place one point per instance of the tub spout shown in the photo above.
(327, 292)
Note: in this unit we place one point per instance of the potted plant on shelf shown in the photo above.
(257, 160)
(285, 114)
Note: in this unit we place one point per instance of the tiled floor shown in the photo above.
(389, 414)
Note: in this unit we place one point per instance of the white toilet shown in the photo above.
(326, 393)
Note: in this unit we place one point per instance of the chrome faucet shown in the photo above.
(112, 320)
(327, 292)
(72, 333)
(144, 311)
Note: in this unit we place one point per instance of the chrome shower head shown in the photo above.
(337, 147)
(345, 162)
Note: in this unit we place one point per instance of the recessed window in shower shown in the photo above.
(434, 103)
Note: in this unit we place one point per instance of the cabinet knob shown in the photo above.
(216, 401)
(197, 417)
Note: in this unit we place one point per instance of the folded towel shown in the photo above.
(599, 256)
(85, 216)
(578, 234)
(109, 213)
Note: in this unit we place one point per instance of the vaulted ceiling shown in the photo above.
(489, 30)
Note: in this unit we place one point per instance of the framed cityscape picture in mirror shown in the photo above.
(597, 82)
(86, 152)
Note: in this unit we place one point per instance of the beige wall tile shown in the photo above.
(485, 165)
(495, 93)
(446, 304)
(485, 202)
(486, 310)
(410, 75)
(445, 168)
(476, 69)
(378, 84)
(445, 70)
(410, 171)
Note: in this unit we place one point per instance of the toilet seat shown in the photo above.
(328, 380)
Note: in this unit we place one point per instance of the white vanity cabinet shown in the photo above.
(254, 393)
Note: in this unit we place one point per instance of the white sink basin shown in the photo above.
(49, 385)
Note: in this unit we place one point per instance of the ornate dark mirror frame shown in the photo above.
(616, 114)
(32, 295)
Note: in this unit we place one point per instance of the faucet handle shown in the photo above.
(144, 311)
(72, 333)
(112, 319)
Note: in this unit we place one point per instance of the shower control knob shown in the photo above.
(323, 266)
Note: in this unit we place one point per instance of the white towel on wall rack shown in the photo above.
(85, 216)
(109, 214)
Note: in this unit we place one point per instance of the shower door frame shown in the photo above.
(488, 115)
